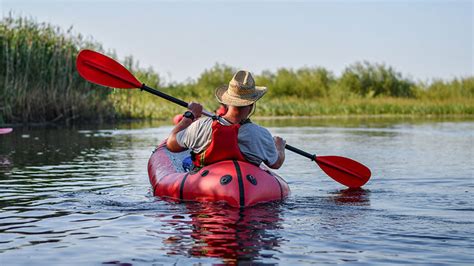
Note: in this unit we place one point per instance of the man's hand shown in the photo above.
(196, 109)
(279, 143)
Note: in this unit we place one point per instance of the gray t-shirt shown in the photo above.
(255, 142)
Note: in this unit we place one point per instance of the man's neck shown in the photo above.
(236, 115)
(232, 119)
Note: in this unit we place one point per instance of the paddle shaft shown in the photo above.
(310, 156)
(171, 98)
(164, 96)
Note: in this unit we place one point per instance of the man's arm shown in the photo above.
(280, 146)
(172, 143)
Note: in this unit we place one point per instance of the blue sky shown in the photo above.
(421, 39)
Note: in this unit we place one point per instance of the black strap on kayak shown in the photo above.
(181, 187)
(241, 184)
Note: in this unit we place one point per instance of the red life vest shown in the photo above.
(224, 146)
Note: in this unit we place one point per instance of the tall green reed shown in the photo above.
(38, 77)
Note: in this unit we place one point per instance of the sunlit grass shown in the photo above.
(290, 106)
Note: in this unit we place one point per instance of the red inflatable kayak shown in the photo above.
(239, 184)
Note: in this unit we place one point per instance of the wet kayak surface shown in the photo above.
(81, 196)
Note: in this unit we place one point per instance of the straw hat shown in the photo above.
(241, 90)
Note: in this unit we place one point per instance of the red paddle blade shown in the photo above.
(344, 170)
(103, 70)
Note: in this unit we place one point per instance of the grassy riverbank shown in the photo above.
(39, 83)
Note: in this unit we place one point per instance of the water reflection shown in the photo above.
(354, 121)
(5, 162)
(37, 164)
(49, 146)
(352, 196)
(218, 231)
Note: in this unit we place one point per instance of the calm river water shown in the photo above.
(80, 196)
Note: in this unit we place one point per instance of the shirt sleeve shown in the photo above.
(197, 136)
(257, 145)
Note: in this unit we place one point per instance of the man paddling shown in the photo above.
(234, 137)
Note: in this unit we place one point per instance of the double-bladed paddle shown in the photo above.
(100, 69)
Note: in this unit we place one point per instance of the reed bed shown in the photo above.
(39, 83)
(38, 77)
(291, 106)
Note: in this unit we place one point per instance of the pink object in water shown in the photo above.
(6, 130)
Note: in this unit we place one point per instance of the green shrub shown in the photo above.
(375, 80)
